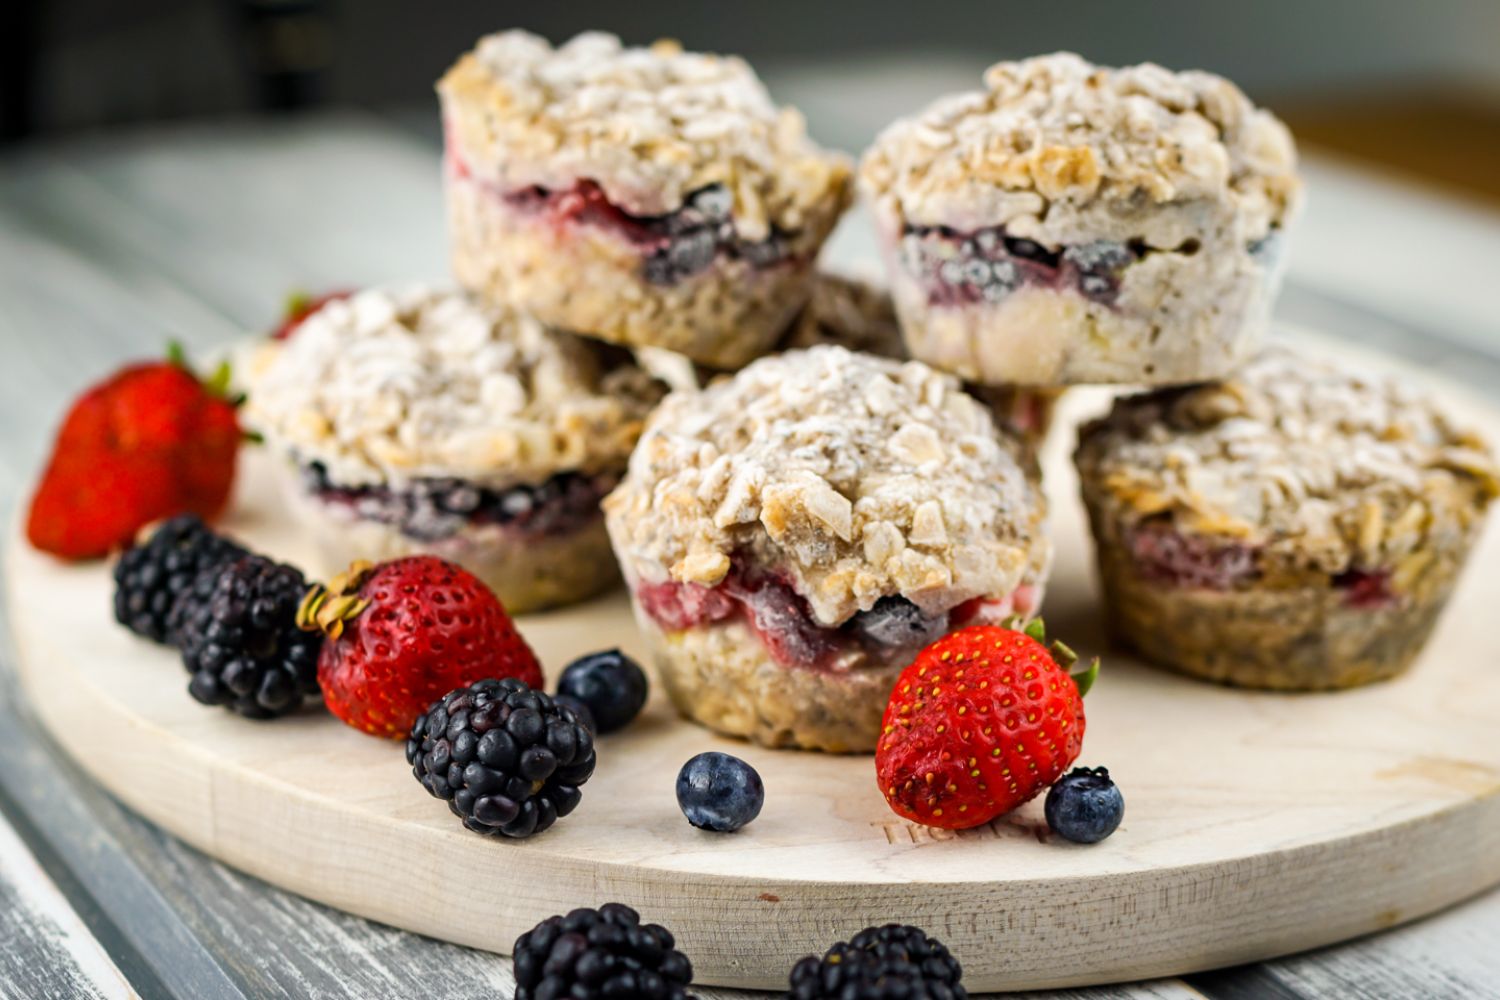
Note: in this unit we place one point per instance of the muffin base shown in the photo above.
(1285, 639)
(527, 573)
(589, 280)
(722, 677)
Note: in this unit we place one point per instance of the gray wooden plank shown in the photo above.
(45, 949)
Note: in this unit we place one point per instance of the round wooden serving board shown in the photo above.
(1257, 824)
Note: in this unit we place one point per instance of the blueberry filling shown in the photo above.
(987, 265)
(783, 621)
(430, 510)
(674, 246)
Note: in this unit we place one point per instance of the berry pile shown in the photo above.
(893, 962)
(606, 952)
(151, 575)
(506, 758)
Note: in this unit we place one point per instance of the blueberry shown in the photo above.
(1085, 806)
(895, 621)
(610, 684)
(719, 792)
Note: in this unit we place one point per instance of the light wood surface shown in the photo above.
(1256, 825)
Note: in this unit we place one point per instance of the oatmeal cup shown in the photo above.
(416, 420)
(650, 197)
(1071, 223)
(1298, 526)
(793, 535)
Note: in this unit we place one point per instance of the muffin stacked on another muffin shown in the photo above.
(1299, 525)
(419, 420)
(792, 535)
(1072, 223)
(644, 196)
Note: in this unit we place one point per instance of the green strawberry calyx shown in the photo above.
(1061, 651)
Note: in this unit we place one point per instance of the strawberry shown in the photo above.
(403, 634)
(148, 442)
(982, 721)
(300, 305)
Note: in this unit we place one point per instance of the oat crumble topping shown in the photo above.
(858, 476)
(407, 382)
(1324, 464)
(650, 125)
(1056, 128)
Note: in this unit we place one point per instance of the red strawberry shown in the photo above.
(403, 634)
(980, 722)
(300, 305)
(148, 442)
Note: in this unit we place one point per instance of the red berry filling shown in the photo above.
(674, 246)
(1367, 590)
(1165, 555)
(782, 620)
(430, 510)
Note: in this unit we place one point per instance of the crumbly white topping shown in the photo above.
(858, 476)
(408, 382)
(650, 125)
(1337, 465)
(1057, 129)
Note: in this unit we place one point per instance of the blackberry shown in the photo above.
(880, 963)
(152, 574)
(239, 638)
(606, 952)
(507, 759)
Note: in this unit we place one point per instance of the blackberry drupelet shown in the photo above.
(239, 638)
(508, 760)
(606, 952)
(880, 963)
(152, 574)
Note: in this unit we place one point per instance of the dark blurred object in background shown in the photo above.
(1330, 67)
(289, 47)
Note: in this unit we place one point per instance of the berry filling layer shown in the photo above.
(1166, 556)
(431, 510)
(674, 246)
(958, 268)
(783, 622)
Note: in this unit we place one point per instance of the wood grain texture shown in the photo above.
(1258, 824)
(45, 949)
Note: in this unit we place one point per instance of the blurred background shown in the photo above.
(1412, 86)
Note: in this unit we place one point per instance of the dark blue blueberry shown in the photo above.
(895, 621)
(1085, 806)
(718, 792)
(610, 684)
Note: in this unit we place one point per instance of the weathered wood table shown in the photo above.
(111, 245)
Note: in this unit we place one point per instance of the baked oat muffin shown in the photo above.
(418, 420)
(644, 196)
(861, 316)
(793, 535)
(1297, 526)
(1071, 223)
